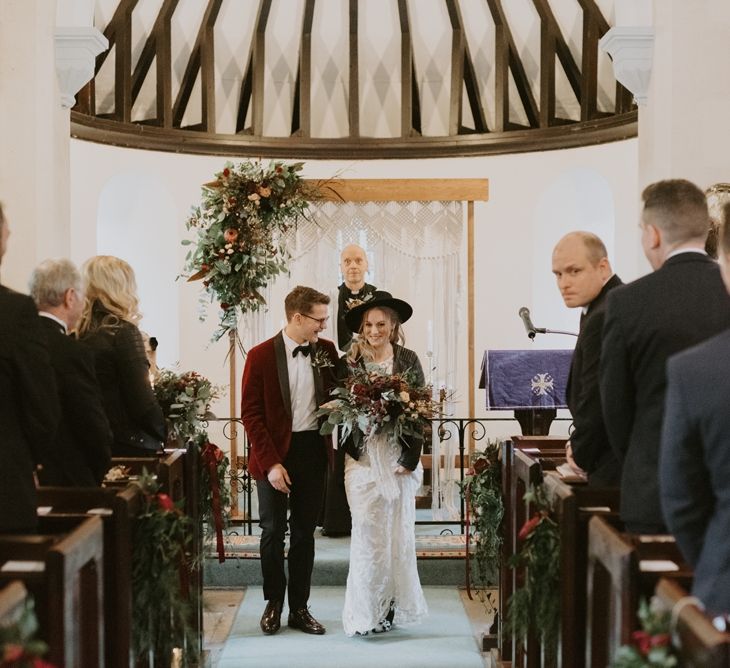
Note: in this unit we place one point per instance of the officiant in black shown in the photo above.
(353, 291)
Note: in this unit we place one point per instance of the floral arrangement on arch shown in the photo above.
(372, 402)
(185, 400)
(651, 647)
(241, 226)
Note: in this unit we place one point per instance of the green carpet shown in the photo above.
(443, 640)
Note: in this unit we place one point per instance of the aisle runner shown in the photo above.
(444, 638)
(427, 547)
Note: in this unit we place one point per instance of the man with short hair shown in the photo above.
(353, 290)
(682, 303)
(29, 410)
(285, 380)
(584, 277)
(81, 452)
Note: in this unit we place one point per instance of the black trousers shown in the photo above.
(306, 463)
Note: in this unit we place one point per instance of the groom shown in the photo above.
(284, 381)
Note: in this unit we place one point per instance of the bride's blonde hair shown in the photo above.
(361, 348)
(109, 281)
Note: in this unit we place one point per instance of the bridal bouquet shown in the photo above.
(185, 400)
(372, 402)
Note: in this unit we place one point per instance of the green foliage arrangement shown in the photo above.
(241, 226)
(535, 607)
(652, 646)
(482, 490)
(19, 647)
(160, 568)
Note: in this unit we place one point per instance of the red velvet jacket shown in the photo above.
(266, 402)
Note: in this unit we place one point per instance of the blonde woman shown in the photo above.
(108, 326)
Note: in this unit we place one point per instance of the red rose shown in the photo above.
(481, 465)
(529, 526)
(225, 306)
(165, 502)
(661, 640)
(226, 172)
(230, 235)
(279, 169)
(642, 640)
(12, 652)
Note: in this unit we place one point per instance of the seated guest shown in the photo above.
(695, 458)
(108, 326)
(585, 277)
(81, 450)
(29, 406)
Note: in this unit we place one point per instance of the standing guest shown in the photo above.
(682, 303)
(285, 380)
(694, 462)
(29, 409)
(108, 326)
(353, 291)
(381, 480)
(81, 451)
(585, 277)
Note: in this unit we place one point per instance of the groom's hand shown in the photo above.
(279, 478)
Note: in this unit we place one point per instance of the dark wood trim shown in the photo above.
(406, 71)
(589, 68)
(244, 98)
(164, 66)
(547, 75)
(304, 79)
(207, 65)
(124, 9)
(258, 64)
(133, 135)
(457, 67)
(123, 66)
(353, 95)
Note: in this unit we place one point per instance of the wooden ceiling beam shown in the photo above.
(303, 91)
(353, 95)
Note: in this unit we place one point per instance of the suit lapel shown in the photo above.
(319, 395)
(282, 371)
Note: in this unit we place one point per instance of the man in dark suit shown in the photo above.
(585, 277)
(694, 462)
(28, 404)
(353, 290)
(81, 452)
(682, 303)
(284, 382)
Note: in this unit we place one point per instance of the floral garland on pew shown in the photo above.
(161, 603)
(482, 490)
(19, 647)
(241, 227)
(651, 647)
(535, 607)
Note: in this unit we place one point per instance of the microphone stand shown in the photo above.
(544, 330)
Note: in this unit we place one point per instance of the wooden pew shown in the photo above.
(64, 573)
(169, 469)
(574, 504)
(700, 643)
(123, 506)
(619, 574)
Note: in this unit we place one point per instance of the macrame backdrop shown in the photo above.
(414, 251)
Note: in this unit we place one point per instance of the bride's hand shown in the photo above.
(402, 470)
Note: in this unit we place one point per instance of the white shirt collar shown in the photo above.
(50, 316)
(701, 251)
(291, 343)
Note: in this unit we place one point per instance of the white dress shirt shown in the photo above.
(301, 387)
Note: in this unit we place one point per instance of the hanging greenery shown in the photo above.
(482, 490)
(651, 647)
(535, 607)
(160, 574)
(215, 493)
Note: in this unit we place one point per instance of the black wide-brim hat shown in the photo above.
(353, 318)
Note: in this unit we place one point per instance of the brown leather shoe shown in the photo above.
(271, 619)
(302, 620)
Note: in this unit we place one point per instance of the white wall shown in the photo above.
(534, 199)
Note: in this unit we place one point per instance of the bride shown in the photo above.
(381, 480)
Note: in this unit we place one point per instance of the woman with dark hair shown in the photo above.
(108, 326)
(381, 480)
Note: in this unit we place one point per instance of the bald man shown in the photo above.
(585, 277)
(353, 291)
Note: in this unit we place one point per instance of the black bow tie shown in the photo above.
(305, 350)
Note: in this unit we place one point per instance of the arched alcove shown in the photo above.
(136, 221)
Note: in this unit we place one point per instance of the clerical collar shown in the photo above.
(50, 316)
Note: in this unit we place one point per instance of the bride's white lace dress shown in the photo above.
(383, 544)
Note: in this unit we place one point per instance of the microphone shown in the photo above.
(524, 313)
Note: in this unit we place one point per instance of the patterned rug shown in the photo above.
(427, 547)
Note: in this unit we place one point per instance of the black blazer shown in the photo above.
(344, 335)
(695, 465)
(122, 370)
(82, 447)
(29, 409)
(403, 360)
(589, 441)
(679, 305)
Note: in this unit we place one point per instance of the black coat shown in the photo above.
(82, 447)
(122, 370)
(403, 360)
(29, 409)
(695, 465)
(344, 304)
(589, 441)
(680, 305)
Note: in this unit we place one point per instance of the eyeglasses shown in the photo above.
(322, 321)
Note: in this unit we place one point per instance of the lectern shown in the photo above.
(532, 383)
